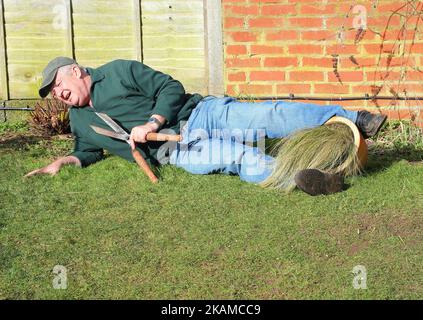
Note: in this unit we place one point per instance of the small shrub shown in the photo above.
(50, 117)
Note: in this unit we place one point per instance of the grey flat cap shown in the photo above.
(49, 73)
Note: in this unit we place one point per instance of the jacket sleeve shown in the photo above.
(168, 93)
(86, 152)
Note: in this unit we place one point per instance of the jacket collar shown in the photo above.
(95, 74)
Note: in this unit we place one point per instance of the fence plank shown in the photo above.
(4, 85)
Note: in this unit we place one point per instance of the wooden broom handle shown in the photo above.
(163, 137)
(144, 166)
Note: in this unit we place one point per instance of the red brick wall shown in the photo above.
(277, 47)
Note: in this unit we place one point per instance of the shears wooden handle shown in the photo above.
(163, 137)
(144, 166)
(141, 161)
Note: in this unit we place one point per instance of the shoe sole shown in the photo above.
(315, 182)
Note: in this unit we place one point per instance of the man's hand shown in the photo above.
(54, 167)
(51, 169)
(139, 134)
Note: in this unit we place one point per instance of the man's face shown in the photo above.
(71, 88)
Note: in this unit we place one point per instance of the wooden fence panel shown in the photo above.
(36, 31)
(167, 35)
(173, 40)
(104, 30)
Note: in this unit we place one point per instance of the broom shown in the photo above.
(336, 147)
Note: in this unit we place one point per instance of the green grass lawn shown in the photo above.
(206, 237)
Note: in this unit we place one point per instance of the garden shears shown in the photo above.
(121, 134)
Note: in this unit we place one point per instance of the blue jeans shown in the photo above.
(213, 139)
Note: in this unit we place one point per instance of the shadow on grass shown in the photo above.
(34, 144)
(382, 159)
(14, 141)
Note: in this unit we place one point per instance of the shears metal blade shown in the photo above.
(112, 134)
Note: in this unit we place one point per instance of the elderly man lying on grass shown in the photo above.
(143, 100)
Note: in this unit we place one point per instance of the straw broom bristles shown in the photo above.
(329, 148)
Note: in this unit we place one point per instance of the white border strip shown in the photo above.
(214, 46)
(3, 63)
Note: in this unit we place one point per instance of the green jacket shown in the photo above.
(129, 92)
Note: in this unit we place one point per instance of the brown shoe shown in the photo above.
(315, 182)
